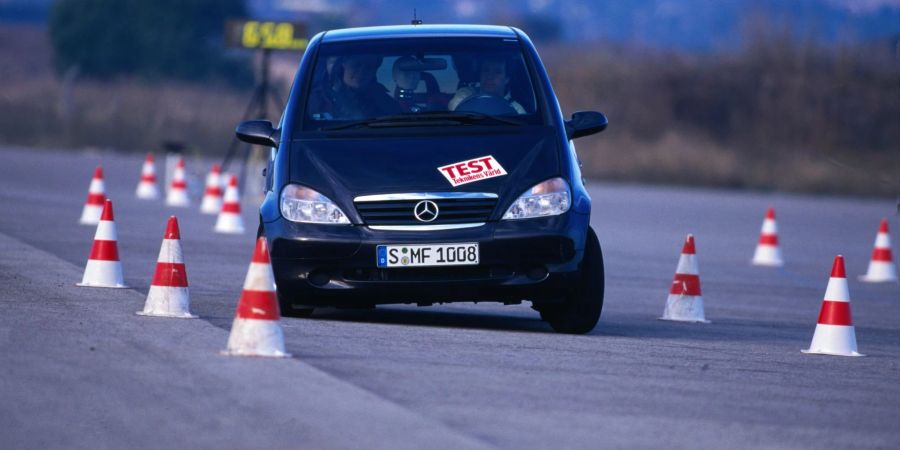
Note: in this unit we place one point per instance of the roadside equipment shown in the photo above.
(881, 265)
(768, 253)
(212, 195)
(178, 189)
(146, 188)
(229, 220)
(685, 302)
(834, 333)
(169, 295)
(103, 268)
(93, 206)
(256, 331)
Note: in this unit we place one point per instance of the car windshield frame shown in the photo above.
(511, 49)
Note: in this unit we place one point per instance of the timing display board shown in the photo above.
(270, 35)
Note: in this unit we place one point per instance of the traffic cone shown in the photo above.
(93, 206)
(230, 220)
(685, 303)
(103, 268)
(256, 331)
(768, 253)
(169, 296)
(178, 189)
(146, 188)
(212, 195)
(834, 330)
(881, 266)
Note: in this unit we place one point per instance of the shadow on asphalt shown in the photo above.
(448, 319)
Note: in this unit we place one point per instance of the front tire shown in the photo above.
(580, 311)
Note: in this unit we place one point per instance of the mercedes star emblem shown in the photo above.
(426, 211)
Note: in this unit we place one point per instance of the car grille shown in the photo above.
(450, 211)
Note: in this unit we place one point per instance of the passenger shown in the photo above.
(353, 91)
(407, 81)
(493, 80)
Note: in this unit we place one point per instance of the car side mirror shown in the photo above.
(259, 132)
(585, 123)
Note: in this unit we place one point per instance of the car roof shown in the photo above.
(412, 31)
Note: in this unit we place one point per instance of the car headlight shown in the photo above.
(548, 198)
(302, 204)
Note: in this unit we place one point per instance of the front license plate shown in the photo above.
(427, 255)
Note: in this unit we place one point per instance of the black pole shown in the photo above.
(259, 99)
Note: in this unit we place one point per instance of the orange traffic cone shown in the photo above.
(256, 331)
(881, 266)
(169, 296)
(178, 189)
(229, 220)
(93, 206)
(768, 253)
(212, 195)
(685, 302)
(146, 188)
(835, 334)
(103, 268)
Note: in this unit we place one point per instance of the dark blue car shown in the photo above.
(427, 164)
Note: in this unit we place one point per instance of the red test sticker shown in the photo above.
(475, 169)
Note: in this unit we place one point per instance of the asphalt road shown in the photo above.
(79, 370)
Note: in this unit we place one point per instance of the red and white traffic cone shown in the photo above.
(93, 206)
(229, 220)
(103, 268)
(212, 195)
(169, 296)
(146, 188)
(835, 334)
(685, 302)
(178, 189)
(881, 266)
(768, 253)
(256, 331)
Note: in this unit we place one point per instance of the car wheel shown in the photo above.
(580, 311)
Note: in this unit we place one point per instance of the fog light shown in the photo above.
(536, 273)
(318, 278)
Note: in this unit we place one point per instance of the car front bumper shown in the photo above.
(330, 265)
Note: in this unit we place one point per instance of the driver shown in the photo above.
(493, 81)
(354, 92)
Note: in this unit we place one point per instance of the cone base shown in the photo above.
(174, 316)
(880, 272)
(146, 192)
(229, 224)
(211, 205)
(251, 337)
(179, 200)
(97, 285)
(810, 351)
(868, 279)
(684, 308)
(767, 256)
(90, 215)
(767, 263)
(672, 319)
(255, 354)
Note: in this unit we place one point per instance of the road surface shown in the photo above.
(80, 370)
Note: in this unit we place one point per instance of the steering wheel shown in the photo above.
(487, 104)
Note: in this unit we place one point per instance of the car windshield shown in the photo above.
(420, 82)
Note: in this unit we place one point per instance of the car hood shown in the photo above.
(343, 168)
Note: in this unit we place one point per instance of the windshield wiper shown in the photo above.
(425, 119)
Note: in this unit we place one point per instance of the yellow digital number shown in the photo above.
(271, 35)
(250, 38)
